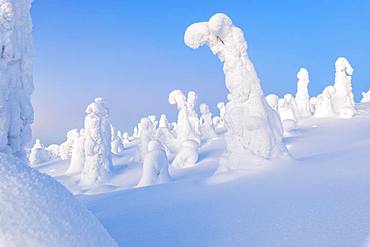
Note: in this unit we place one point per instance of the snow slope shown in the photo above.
(319, 198)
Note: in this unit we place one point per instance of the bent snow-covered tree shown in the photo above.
(253, 128)
(35, 210)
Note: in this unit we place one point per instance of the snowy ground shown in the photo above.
(319, 198)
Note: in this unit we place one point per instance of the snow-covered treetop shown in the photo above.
(177, 97)
(342, 65)
(302, 75)
(98, 107)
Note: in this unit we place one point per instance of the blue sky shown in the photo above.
(132, 53)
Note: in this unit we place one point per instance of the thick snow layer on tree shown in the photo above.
(253, 128)
(38, 154)
(146, 132)
(272, 100)
(155, 166)
(186, 124)
(365, 97)
(38, 211)
(343, 96)
(116, 144)
(188, 155)
(97, 144)
(65, 149)
(302, 97)
(16, 85)
(206, 123)
(78, 153)
(324, 103)
(165, 137)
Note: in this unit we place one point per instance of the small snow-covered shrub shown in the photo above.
(65, 149)
(324, 106)
(187, 155)
(38, 154)
(206, 124)
(155, 166)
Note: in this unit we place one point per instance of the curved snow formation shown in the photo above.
(253, 128)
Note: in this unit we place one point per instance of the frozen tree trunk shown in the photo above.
(253, 128)
(343, 97)
(302, 97)
(97, 144)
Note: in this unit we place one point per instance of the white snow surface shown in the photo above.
(36, 211)
(318, 198)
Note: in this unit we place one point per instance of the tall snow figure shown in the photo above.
(253, 128)
(343, 97)
(97, 144)
(302, 97)
(35, 210)
(16, 82)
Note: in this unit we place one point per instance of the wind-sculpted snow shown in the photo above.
(253, 128)
(36, 211)
(324, 103)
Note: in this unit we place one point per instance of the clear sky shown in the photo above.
(132, 53)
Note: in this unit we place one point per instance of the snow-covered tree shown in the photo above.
(65, 149)
(253, 128)
(155, 166)
(302, 97)
(38, 154)
(97, 144)
(313, 101)
(206, 124)
(184, 128)
(16, 84)
(365, 97)
(187, 155)
(78, 153)
(116, 143)
(53, 151)
(192, 115)
(272, 100)
(343, 96)
(164, 135)
(35, 210)
(146, 133)
(324, 103)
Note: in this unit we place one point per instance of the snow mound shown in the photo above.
(38, 211)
